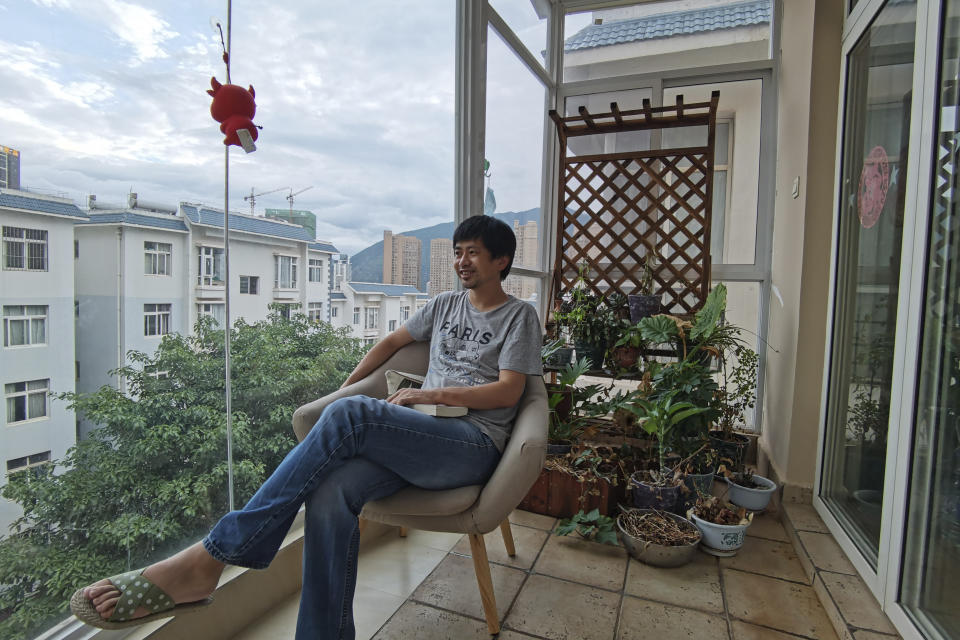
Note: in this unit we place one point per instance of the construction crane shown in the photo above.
(290, 197)
(253, 196)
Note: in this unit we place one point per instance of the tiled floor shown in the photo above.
(423, 587)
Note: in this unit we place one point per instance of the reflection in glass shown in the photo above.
(875, 146)
(524, 19)
(928, 591)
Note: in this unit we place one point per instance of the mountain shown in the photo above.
(367, 264)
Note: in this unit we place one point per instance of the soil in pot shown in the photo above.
(657, 538)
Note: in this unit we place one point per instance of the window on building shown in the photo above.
(371, 317)
(393, 325)
(26, 400)
(316, 270)
(24, 249)
(285, 272)
(152, 371)
(369, 341)
(404, 313)
(156, 258)
(334, 312)
(76, 248)
(250, 284)
(26, 463)
(24, 325)
(356, 315)
(314, 312)
(217, 311)
(210, 266)
(156, 319)
(286, 310)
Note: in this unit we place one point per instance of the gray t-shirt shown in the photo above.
(469, 348)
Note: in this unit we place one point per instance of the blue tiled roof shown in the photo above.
(323, 246)
(385, 289)
(171, 223)
(337, 295)
(665, 25)
(260, 226)
(40, 205)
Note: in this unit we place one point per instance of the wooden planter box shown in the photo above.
(561, 495)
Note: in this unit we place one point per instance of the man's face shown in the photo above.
(474, 264)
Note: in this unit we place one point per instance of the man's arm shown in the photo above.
(378, 354)
(505, 392)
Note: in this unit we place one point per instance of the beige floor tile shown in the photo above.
(535, 520)
(433, 539)
(560, 610)
(583, 561)
(695, 585)
(804, 518)
(870, 635)
(786, 606)
(513, 635)
(769, 527)
(279, 622)
(825, 552)
(767, 557)
(397, 567)
(453, 586)
(642, 620)
(856, 603)
(371, 608)
(416, 621)
(744, 631)
(527, 541)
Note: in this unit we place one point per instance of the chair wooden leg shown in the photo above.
(361, 524)
(508, 538)
(403, 532)
(482, 567)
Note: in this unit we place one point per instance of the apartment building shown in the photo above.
(371, 310)
(442, 277)
(147, 270)
(9, 168)
(37, 354)
(401, 259)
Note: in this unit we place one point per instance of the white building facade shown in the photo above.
(37, 353)
(371, 310)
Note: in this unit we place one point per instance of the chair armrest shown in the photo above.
(412, 358)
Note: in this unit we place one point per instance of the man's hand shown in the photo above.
(414, 396)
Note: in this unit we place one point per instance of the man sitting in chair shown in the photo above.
(483, 344)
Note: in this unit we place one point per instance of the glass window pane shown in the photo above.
(522, 18)
(610, 142)
(928, 589)
(650, 37)
(38, 404)
(18, 332)
(875, 146)
(514, 146)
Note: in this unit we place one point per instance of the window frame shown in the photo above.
(29, 319)
(371, 317)
(25, 242)
(25, 394)
(252, 285)
(315, 312)
(290, 269)
(209, 312)
(209, 267)
(356, 316)
(314, 268)
(29, 462)
(158, 257)
(161, 316)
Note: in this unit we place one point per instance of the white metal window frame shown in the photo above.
(208, 265)
(215, 310)
(334, 311)
(21, 236)
(156, 319)
(314, 312)
(32, 461)
(284, 271)
(158, 258)
(40, 386)
(250, 285)
(314, 270)
(356, 316)
(9, 315)
(404, 313)
(884, 581)
(371, 317)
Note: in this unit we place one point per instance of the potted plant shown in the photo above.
(749, 490)
(555, 353)
(736, 395)
(662, 487)
(588, 319)
(723, 525)
(658, 538)
(627, 350)
(564, 395)
(644, 303)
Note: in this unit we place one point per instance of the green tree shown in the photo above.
(153, 476)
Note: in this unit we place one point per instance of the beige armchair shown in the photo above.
(473, 510)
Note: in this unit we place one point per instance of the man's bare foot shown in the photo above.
(188, 576)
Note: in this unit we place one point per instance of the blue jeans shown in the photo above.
(361, 449)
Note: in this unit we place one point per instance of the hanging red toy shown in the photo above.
(234, 107)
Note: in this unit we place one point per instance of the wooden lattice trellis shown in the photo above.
(617, 209)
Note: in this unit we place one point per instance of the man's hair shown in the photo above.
(495, 235)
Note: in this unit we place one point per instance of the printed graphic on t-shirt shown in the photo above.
(459, 352)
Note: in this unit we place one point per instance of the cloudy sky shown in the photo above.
(356, 100)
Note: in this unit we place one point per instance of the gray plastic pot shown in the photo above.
(752, 499)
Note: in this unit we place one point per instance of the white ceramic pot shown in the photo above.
(753, 499)
(722, 537)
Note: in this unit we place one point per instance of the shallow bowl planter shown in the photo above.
(720, 537)
(752, 499)
(658, 555)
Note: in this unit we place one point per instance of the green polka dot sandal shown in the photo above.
(135, 591)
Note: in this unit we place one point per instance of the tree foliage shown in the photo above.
(153, 476)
